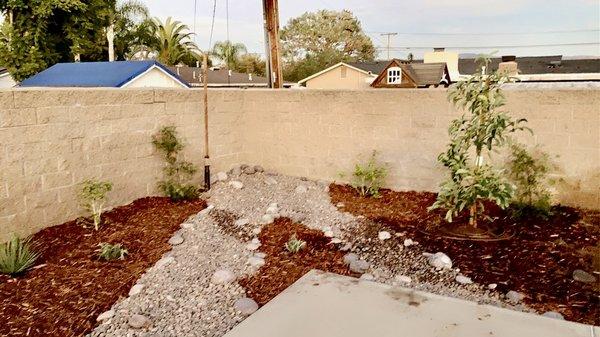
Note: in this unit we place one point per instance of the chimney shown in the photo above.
(438, 50)
(194, 74)
(250, 77)
(508, 66)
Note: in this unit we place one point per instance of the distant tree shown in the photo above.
(314, 41)
(251, 64)
(130, 23)
(229, 52)
(42, 33)
(172, 42)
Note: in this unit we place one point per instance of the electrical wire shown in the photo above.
(499, 33)
(505, 46)
(212, 25)
(195, 9)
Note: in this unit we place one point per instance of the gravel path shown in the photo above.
(180, 297)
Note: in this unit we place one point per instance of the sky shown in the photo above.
(472, 26)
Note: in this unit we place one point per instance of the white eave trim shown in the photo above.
(331, 68)
(154, 66)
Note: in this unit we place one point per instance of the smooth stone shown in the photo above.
(259, 169)
(367, 277)
(105, 315)
(335, 241)
(272, 210)
(439, 260)
(553, 314)
(206, 210)
(139, 321)
(408, 242)
(514, 297)
(223, 276)
(176, 239)
(583, 276)
(238, 185)
(242, 222)
(236, 171)
(246, 306)
(463, 279)
(267, 219)
(136, 289)
(339, 205)
(270, 181)
(359, 266)
(328, 234)
(221, 176)
(260, 255)
(301, 189)
(403, 279)
(164, 261)
(492, 286)
(346, 247)
(256, 261)
(251, 246)
(187, 225)
(384, 235)
(350, 257)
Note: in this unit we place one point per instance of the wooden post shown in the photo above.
(271, 18)
(206, 153)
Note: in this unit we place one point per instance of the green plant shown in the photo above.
(93, 196)
(177, 172)
(16, 256)
(528, 171)
(294, 245)
(111, 252)
(480, 131)
(369, 178)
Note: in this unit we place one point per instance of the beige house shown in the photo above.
(343, 75)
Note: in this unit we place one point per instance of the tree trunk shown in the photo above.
(473, 215)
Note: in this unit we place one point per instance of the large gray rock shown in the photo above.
(359, 266)
(223, 276)
(384, 235)
(583, 276)
(138, 321)
(350, 257)
(439, 260)
(246, 306)
(105, 315)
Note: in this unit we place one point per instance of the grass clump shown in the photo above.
(110, 252)
(16, 256)
(294, 245)
(177, 173)
(93, 196)
(369, 178)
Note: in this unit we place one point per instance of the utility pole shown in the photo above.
(206, 154)
(273, 52)
(389, 35)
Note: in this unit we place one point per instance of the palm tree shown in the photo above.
(127, 28)
(229, 52)
(172, 41)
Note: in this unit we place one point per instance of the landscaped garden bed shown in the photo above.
(537, 261)
(69, 286)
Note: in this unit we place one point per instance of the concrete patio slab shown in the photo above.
(324, 304)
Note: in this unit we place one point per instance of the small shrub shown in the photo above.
(369, 178)
(294, 245)
(111, 252)
(177, 172)
(93, 196)
(16, 256)
(528, 171)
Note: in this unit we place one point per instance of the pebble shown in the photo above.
(463, 279)
(238, 185)
(223, 276)
(359, 266)
(553, 314)
(246, 306)
(514, 296)
(252, 246)
(176, 239)
(367, 277)
(384, 235)
(492, 286)
(439, 260)
(236, 171)
(164, 261)
(335, 241)
(408, 242)
(267, 219)
(221, 176)
(242, 222)
(339, 205)
(187, 225)
(206, 210)
(583, 276)
(403, 279)
(350, 257)
(137, 321)
(301, 189)
(256, 261)
(105, 315)
(260, 255)
(136, 289)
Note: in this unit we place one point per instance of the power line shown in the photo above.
(195, 9)
(505, 46)
(212, 25)
(389, 35)
(499, 33)
(227, 17)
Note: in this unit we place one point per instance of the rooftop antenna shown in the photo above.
(389, 35)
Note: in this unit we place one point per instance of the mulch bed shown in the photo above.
(70, 286)
(537, 261)
(283, 268)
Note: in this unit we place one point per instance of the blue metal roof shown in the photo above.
(93, 74)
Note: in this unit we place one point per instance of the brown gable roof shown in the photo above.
(419, 74)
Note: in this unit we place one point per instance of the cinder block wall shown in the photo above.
(51, 140)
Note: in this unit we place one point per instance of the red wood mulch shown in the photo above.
(283, 268)
(70, 286)
(538, 261)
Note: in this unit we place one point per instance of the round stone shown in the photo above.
(403, 279)
(439, 260)
(242, 222)
(408, 242)
(267, 219)
(136, 289)
(252, 246)
(492, 286)
(176, 239)
(359, 266)
(367, 277)
(514, 296)
(350, 257)
(463, 279)
(256, 261)
(583, 276)
(105, 315)
(238, 185)
(236, 171)
(384, 235)
(223, 276)
(301, 189)
(246, 306)
(137, 321)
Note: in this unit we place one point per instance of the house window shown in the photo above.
(344, 72)
(394, 75)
